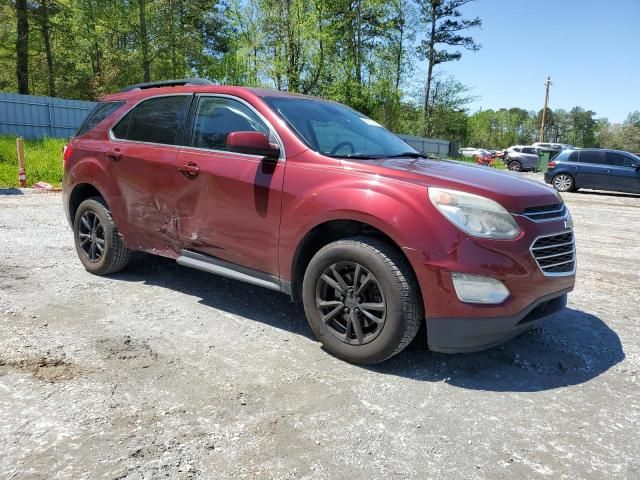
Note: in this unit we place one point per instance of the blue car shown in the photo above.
(594, 168)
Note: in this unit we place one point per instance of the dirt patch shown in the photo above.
(43, 368)
(126, 348)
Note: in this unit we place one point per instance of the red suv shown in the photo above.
(311, 198)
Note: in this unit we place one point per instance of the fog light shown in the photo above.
(477, 289)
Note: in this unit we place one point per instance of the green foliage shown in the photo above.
(359, 52)
(43, 161)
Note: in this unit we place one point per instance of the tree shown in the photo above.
(22, 46)
(43, 13)
(444, 22)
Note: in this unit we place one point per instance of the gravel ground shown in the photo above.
(166, 372)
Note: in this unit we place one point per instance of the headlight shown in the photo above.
(476, 215)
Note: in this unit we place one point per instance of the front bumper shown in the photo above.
(456, 326)
(459, 335)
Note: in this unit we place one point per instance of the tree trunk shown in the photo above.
(427, 87)
(46, 37)
(22, 47)
(144, 41)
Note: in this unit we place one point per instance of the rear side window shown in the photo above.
(531, 151)
(157, 120)
(101, 111)
(591, 156)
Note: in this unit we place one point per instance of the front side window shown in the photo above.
(157, 120)
(616, 159)
(101, 111)
(335, 130)
(216, 117)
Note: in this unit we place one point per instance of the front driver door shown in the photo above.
(622, 173)
(229, 203)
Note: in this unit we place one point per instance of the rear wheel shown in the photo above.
(515, 166)
(98, 244)
(361, 300)
(563, 182)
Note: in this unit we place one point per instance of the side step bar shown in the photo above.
(215, 265)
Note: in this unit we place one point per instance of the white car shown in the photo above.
(553, 146)
(469, 152)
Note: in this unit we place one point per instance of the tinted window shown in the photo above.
(573, 157)
(529, 150)
(122, 127)
(517, 149)
(591, 156)
(159, 120)
(616, 159)
(217, 117)
(99, 113)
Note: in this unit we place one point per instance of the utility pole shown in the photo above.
(544, 110)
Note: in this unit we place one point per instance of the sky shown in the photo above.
(589, 48)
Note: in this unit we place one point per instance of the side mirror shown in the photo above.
(252, 143)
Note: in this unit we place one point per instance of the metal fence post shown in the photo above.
(50, 119)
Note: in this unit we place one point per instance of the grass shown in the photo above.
(43, 161)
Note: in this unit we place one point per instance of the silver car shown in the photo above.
(521, 157)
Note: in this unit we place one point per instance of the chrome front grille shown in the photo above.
(555, 254)
(546, 212)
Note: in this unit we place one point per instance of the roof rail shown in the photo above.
(167, 83)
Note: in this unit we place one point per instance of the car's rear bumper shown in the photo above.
(458, 335)
(548, 175)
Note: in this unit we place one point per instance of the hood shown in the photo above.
(511, 191)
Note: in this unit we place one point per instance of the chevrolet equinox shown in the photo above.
(311, 198)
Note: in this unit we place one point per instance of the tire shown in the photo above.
(93, 228)
(563, 182)
(391, 284)
(514, 166)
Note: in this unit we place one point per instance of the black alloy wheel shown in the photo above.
(91, 236)
(351, 303)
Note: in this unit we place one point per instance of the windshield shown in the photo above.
(336, 130)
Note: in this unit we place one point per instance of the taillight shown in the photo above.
(551, 165)
(66, 153)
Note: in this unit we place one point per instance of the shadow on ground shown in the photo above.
(608, 194)
(572, 348)
(11, 191)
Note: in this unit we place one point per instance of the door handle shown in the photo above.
(607, 170)
(114, 154)
(190, 170)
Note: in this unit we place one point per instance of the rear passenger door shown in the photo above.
(229, 207)
(142, 154)
(591, 171)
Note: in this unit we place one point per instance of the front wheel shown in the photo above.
(362, 300)
(563, 182)
(98, 244)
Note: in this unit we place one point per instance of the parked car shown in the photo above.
(468, 152)
(370, 235)
(592, 168)
(521, 157)
(553, 146)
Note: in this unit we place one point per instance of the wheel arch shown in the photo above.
(79, 194)
(328, 232)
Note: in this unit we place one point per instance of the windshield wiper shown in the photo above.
(356, 156)
(407, 154)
